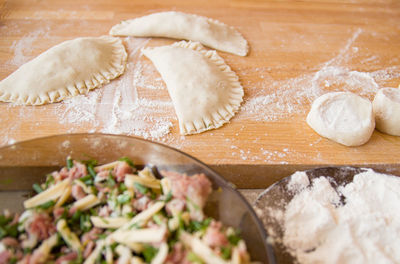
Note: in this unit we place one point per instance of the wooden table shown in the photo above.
(299, 50)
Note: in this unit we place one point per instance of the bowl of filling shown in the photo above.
(96, 198)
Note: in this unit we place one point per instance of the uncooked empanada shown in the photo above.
(70, 68)
(205, 92)
(178, 25)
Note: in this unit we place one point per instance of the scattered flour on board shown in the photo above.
(356, 223)
(279, 99)
(117, 108)
(23, 48)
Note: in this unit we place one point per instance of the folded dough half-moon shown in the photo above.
(205, 92)
(70, 68)
(178, 25)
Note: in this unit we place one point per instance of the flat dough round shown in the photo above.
(70, 68)
(386, 107)
(178, 25)
(343, 117)
(205, 92)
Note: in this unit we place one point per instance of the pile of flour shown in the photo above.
(364, 227)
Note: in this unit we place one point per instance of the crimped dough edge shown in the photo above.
(244, 45)
(115, 69)
(225, 112)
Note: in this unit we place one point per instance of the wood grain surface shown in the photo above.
(298, 50)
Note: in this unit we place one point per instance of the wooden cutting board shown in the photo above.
(298, 50)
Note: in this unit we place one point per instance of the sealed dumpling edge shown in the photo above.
(178, 25)
(65, 70)
(204, 90)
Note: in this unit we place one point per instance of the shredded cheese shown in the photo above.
(86, 202)
(64, 197)
(161, 255)
(108, 222)
(201, 249)
(95, 253)
(130, 181)
(144, 235)
(50, 194)
(69, 237)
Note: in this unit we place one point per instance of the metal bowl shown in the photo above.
(25, 163)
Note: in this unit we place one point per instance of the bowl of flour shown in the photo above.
(333, 215)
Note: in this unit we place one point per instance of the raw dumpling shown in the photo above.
(205, 92)
(178, 25)
(343, 117)
(386, 107)
(70, 68)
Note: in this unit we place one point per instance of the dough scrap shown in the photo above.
(343, 117)
(67, 69)
(205, 92)
(386, 107)
(178, 25)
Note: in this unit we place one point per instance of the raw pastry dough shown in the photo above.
(342, 117)
(207, 31)
(205, 92)
(386, 107)
(70, 68)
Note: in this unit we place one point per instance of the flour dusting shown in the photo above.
(117, 107)
(23, 48)
(274, 100)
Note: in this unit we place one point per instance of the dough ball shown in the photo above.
(343, 117)
(386, 107)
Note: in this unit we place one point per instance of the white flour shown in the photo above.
(318, 228)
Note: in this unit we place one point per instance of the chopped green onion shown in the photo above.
(195, 226)
(157, 219)
(70, 163)
(3, 232)
(134, 226)
(193, 258)
(122, 187)
(47, 205)
(88, 180)
(234, 238)
(76, 215)
(85, 178)
(27, 250)
(110, 180)
(103, 236)
(149, 253)
(226, 252)
(113, 246)
(37, 188)
(127, 160)
(49, 180)
(168, 197)
(130, 214)
(91, 171)
(4, 220)
(85, 223)
(123, 198)
(141, 188)
(9, 230)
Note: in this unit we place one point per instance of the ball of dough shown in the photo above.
(386, 106)
(343, 117)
